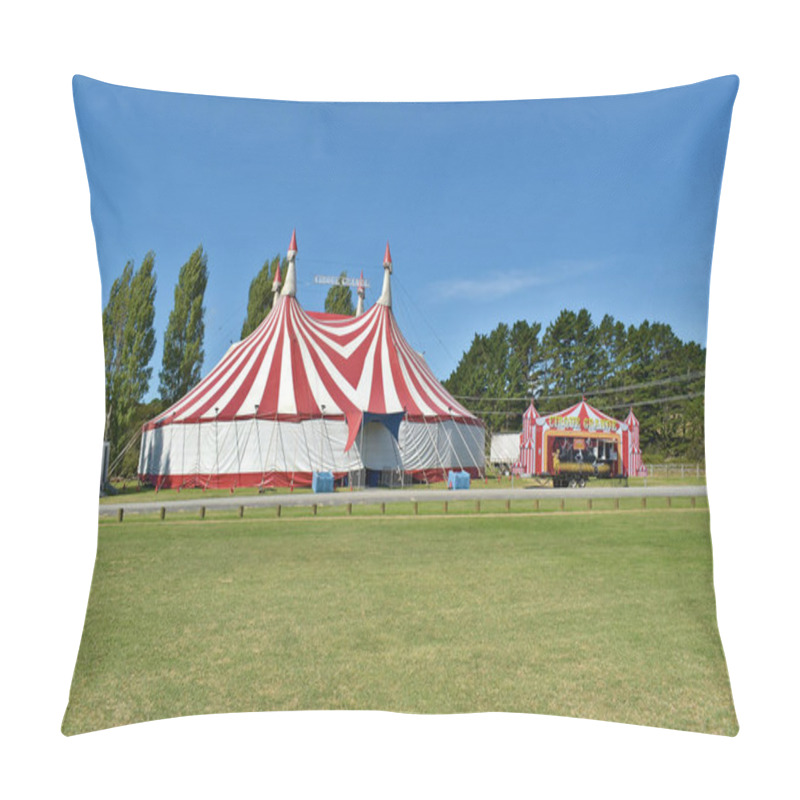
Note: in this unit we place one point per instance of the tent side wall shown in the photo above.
(268, 453)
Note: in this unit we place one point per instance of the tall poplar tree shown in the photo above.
(259, 299)
(129, 340)
(183, 340)
(339, 299)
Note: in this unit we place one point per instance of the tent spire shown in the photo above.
(386, 295)
(360, 292)
(276, 285)
(290, 286)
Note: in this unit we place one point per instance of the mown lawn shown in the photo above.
(608, 616)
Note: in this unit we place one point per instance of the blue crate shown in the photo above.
(322, 481)
(457, 480)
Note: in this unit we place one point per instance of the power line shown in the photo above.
(658, 401)
(689, 376)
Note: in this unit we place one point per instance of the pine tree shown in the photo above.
(339, 299)
(524, 368)
(183, 340)
(129, 340)
(559, 349)
(260, 299)
(503, 363)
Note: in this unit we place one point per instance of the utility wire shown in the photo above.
(612, 390)
(658, 401)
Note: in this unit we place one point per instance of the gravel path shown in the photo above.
(374, 496)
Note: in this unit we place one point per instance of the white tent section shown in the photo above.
(504, 448)
(309, 392)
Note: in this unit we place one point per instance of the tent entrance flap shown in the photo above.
(357, 421)
(379, 441)
(390, 421)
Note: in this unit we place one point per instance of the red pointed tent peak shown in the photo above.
(278, 274)
(293, 245)
(387, 257)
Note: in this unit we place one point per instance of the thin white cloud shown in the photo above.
(511, 282)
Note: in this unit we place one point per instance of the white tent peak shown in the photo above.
(361, 294)
(386, 294)
(276, 285)
(290, 286)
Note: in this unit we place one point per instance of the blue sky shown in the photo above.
(494, 211)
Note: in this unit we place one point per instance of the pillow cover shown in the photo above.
(309, 502)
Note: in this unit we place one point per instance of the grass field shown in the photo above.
(599, 615)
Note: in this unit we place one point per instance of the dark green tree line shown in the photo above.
(505, 363)
(615, 366)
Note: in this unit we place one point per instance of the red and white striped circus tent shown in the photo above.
(542, 436)
(310, 392)
(631, 447)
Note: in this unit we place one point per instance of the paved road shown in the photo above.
(373, 496)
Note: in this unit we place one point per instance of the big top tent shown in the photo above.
(309, 392)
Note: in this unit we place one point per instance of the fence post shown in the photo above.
(669, 502)
(202, 512)
(508, 505)
(241, 511)
(349, 509)
(163, 512)
(589, 504)
(477, 506)
(120, 514)
(383, 508)
(278, 510)
(694, 502)
(416, 507)
(562, 504)
(445, 506)
(314, 509)
(616, 503)
(644, 502)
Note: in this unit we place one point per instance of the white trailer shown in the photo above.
(504, 448)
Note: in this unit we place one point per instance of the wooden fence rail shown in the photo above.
(572, 503)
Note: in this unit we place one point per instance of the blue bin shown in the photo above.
(457, 480)
(322, 481)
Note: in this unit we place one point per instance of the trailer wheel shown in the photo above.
(573, 483)
(582, 483)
